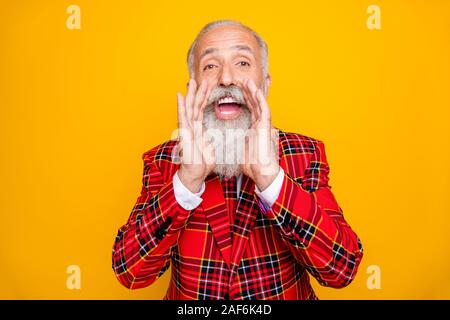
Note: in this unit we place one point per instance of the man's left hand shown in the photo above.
(261, 145)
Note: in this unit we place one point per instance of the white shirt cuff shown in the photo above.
(185, 198)
(271, 193)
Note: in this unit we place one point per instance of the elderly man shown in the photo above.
(246, 217)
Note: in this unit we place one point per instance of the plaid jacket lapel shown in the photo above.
(244, 220)
(215, 210)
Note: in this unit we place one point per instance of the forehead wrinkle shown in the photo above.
(245, 41)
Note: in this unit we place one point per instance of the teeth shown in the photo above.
(227, 100)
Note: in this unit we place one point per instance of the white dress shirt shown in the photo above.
(189, 200)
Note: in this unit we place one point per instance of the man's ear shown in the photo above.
(267, 82)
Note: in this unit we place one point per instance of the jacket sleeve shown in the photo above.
(143, 246)
(313, 226)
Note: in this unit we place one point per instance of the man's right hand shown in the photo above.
(197, 154)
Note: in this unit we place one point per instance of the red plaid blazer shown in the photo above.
(267, 255)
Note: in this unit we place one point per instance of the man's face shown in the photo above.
(224, 57)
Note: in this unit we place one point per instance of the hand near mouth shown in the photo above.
(261, 145)
(197, 153)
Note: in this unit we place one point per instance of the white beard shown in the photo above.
(229, 147)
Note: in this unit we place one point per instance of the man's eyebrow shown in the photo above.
(244, 48)
(239, 47)
(206, 52)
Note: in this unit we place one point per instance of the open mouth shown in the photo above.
(227, 108)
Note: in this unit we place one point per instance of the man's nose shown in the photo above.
(226, 77)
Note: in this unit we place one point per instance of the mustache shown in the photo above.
(230, 91)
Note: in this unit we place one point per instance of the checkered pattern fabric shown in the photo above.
(231, 247)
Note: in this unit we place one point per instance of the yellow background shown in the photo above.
(79, 107)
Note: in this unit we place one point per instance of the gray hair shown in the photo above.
(262, 44)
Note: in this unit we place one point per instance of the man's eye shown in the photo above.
(208, 66)
(244, 64)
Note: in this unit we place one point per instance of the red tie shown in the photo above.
(230, 195)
